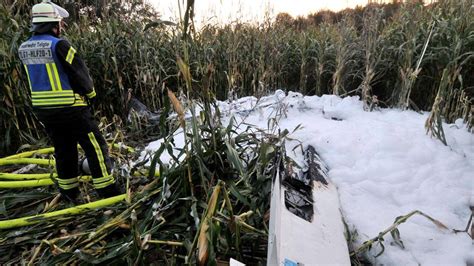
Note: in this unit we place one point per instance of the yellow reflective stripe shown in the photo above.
(45, 98)
(64, 100)
(67, 187)
(102, 182)
(79, 97)
(51, 77)
(103, 179)
(59, 101)
(48, 105)
(70, 55)
(51, 99)
(98, 151)
(68, 94)
(50, 93)
(59, 87)
(53, 106)
(55, 101)
(79, 104)
(79, 100)
(91, 94)
(102, 185)
(27, 75)
(63, 97)
(67, 181)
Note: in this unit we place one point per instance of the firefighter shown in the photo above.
(61, 88)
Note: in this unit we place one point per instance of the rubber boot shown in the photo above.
(108, 191)
(71, 195)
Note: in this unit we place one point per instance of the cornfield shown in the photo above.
(210, 203)
(404, 54)
(377, 52)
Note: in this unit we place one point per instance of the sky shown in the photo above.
(223, 11)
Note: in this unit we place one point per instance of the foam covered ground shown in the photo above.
(384, 166)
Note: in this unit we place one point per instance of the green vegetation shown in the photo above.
(211, 202)
(401, 55)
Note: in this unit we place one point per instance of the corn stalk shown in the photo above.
(372, 43)
(395, 233)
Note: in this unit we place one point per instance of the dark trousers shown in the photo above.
(66, 131)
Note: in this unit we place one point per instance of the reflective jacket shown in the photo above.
(50, 74)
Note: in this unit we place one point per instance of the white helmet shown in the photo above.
(48, 12)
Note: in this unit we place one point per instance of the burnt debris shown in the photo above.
(299, 184)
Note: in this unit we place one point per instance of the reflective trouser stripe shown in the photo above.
(68, 183)
(102, 182)
(70, 55)
(106, 178)
(98, 151)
